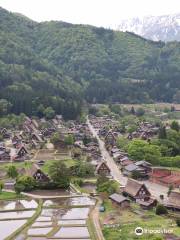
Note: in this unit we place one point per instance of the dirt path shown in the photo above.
(95, 218)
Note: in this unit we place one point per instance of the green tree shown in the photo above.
(40, 110)
(83, 169)
(175, 126)
(141, 150)
(5, 107)
(161, 209)
(27, 182)
(122, 143)
(162, 132)
(132, 128)
(1, 186)
(140, 112)
(115, 108)
(132, 111)
(109, 187)
(19, 188)
(60, 174)
(69, 140)
(55, 138)
(49, 112)
(178, 222)
(176, 97)
(12, 171)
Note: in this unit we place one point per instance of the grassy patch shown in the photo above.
(69, 163)
(130, 218)
(9, 196)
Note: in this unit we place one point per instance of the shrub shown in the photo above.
(161, 209)
(178, 222)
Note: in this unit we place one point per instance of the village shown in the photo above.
(105, 181)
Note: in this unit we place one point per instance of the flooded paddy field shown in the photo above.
(50, 193)
(72, 232)
(39, 231)
(74, 201)
(8, 227)
(16, 215)
(64, 218)
(17, 205)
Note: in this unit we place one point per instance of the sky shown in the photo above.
(106, 13)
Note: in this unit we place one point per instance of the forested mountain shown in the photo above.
(59, 64)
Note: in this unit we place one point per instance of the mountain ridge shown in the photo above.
(158, 28)
(61, 65)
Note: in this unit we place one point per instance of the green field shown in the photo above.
(121, 224)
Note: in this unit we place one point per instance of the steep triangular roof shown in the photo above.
(132, 187)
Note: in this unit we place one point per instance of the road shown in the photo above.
(115, 172)
(155, 189)
(95, 218)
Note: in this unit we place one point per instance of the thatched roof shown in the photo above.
(31, 171)
(101, 164)
(174, 200)
(132, 187)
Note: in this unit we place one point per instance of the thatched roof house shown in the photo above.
(136, 190)
(34, 172)
(174, 200)
(103, 169)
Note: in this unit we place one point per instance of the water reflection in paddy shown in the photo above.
(18, 204)
(72, 232)
(43, 219)
(53, 213)
(74, 201)
(72, 213)
(42, 224)
(16, 215)
(72, 222)
(8, 227)
(39, 231)
(76, 213)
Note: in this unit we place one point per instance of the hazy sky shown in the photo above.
(95, 12)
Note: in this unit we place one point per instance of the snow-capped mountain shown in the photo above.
(165, 28)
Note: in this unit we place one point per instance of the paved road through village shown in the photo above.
(155, 189)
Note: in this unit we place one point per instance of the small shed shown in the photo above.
(120, 200)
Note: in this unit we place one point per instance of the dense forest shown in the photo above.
(54, 67)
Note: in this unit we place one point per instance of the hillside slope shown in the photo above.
(59, 64)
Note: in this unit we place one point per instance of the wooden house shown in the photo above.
(5, 133)
(5, 155)
(174, 200)
(103, 169)
(136, 190)
(120, 200)
(128, 170)
(22, 151)
(35, 136)
(139, 193)
(110, 139)
(35, 172)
